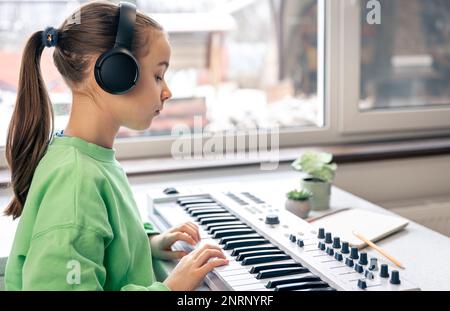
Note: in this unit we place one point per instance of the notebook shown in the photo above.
(372, 225)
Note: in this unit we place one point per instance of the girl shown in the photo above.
(80, 227)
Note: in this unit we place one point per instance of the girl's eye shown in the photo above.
(158, 78)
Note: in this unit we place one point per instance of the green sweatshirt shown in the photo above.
(80, 228)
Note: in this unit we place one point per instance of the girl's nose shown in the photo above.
(166, 94)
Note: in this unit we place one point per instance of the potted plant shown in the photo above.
(298, 202)
(320, 171)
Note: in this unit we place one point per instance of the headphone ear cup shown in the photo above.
(116, 71)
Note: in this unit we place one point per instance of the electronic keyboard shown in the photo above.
(270, 248)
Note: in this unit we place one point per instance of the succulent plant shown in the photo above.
(317, 165)
(299, 195)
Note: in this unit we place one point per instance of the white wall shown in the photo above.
(397, 180)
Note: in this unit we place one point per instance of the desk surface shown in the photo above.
(425, 253)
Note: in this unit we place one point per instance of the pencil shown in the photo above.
(378, 249)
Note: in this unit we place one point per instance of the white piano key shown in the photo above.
(243, 281)
(243, 286)
(241, 276)
(226, 273)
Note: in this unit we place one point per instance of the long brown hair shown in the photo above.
(91, 32)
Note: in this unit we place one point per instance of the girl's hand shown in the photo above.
(192, 268)
(161, 244)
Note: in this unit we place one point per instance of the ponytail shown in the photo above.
(31, 125)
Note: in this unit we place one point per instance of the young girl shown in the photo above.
(80, 228)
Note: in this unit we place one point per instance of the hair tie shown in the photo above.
(50, 37)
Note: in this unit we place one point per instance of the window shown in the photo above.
(319, 70)
(239, 65)
(405, 60)
(404, 68)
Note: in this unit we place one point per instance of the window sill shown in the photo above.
(360, 152)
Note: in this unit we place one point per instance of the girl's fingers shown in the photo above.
(207, 254)
(189, 229)
(204, 247)
(196, 230)
(180, 236)
(210, 265)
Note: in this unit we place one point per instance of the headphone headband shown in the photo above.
(125, 27)
(117, 70)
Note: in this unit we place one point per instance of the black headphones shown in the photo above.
(117, 70)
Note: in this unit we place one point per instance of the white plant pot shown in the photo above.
(299, 208)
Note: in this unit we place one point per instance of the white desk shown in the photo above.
(425, 253)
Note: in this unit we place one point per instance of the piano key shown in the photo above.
(239, 250)
(271, 273)
(245, 277)
(197, 197)
(242, 243)
(264, 258)
(239, 237)
(199, 205)
(213, 230)
(211, 220)
(194, 201)
(320, 289)
(269, 266)
(229, 223)
(249, 287)
(287, 279)
(203, 208)
(199, 218)
(241, 277)
(224, 233)
(301, 285)
(231, 271)
(208, 211)
(244, 255)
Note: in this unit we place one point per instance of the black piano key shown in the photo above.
(302, 285)
(208, 211)
(264, 258)
(211, 220)
(244, 255)
(273, 273)
(239, 250)
(214, 229)
(198, 197)
(301, 279)
(228, 232)
(199, 218)
(259, 268)
(196, 205)
(239, 237)
(196, 202)
(228, 223)
(203, 208)
(242, 243)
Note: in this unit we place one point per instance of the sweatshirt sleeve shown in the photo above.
(150, 229)
(69, 258)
